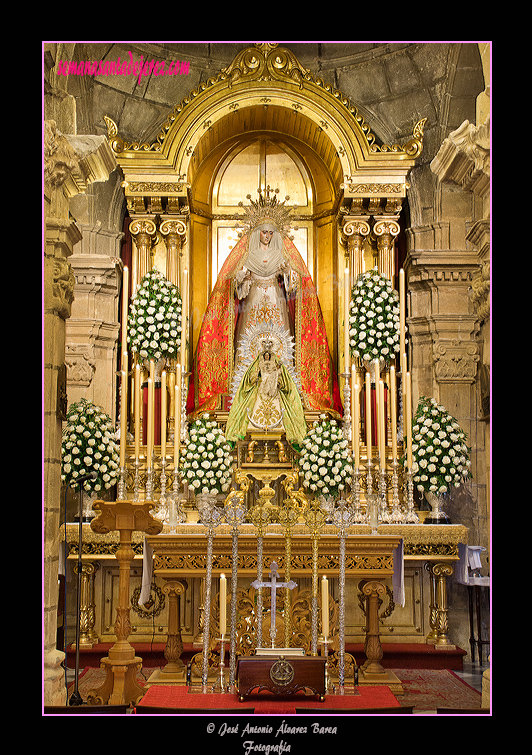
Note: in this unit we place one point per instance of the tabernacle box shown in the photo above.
(280, 675)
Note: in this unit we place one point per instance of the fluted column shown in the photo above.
(174, 234)
(143, 232)
(356, 231)
(386, 230)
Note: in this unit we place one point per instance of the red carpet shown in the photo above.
(424, 689)
(265, 703)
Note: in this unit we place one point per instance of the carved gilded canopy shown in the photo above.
(265, 75)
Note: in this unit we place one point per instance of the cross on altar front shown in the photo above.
(273, 584)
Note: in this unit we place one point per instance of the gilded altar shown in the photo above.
(167, 197)
(429, 551)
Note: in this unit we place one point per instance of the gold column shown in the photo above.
(439, 609)
(174, 671)
(356, 230)
(143, 232)
(174, 233)
(386, 229)
(87, 619)
(372, 672)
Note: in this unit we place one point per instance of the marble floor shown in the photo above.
(472, 674)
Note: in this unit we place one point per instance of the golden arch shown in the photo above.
(265, 90)
(265, 75)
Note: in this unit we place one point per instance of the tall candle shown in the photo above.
(347, 357)
(355, 417)
(325, 606)
(124, 376)
(123, 412)
(377, 408)
(137, 411)
(408, 421)
(368, 414)
(402, 310)
(403, 375)
(151, 411)
(125, 298)
(223, 604)
(393, 411)
(163, 414)
(177, 422)
(184, 320)
(382, 426)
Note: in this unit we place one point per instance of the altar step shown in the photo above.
(396, 655)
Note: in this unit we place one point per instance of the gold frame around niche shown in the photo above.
(367, 180)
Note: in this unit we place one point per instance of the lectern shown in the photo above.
(121, 665)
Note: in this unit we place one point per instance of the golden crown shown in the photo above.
(266, 209)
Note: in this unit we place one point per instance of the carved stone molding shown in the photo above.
(480, 292)
(455, 362)
(62, 286)
(59, 157)
(464, 158)
(80, 363)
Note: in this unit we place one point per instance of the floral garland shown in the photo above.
(374, 317)
(88, 446)
(207, 461)
(325, 459)
(154, 322)
(439, 450)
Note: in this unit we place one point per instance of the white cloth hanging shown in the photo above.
(147, 573)
(398, 580)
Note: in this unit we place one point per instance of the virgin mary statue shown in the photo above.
(264, 291)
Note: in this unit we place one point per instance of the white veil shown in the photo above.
(275, 254)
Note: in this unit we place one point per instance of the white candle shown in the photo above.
(184, 319)
(347, 297)
(325, 606)
(355, 417)
(151, 411)
(368, 414)
(177, 418)
(393, 411)
(223, 605)
(137, 411)
(124, 375)
(377, 408)
(382, 426)
(408, 421)
(401, 310)
(163, 414)
(123, 412)
(125, 298)
(403, 375)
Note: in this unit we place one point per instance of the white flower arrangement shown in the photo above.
(374, 317)
(439, 450)
(207, 461)
(154, 321)
(325, 459)
(88, 446)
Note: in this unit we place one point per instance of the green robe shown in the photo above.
(293, 417)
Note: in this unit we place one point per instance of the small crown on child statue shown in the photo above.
(266, 209)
